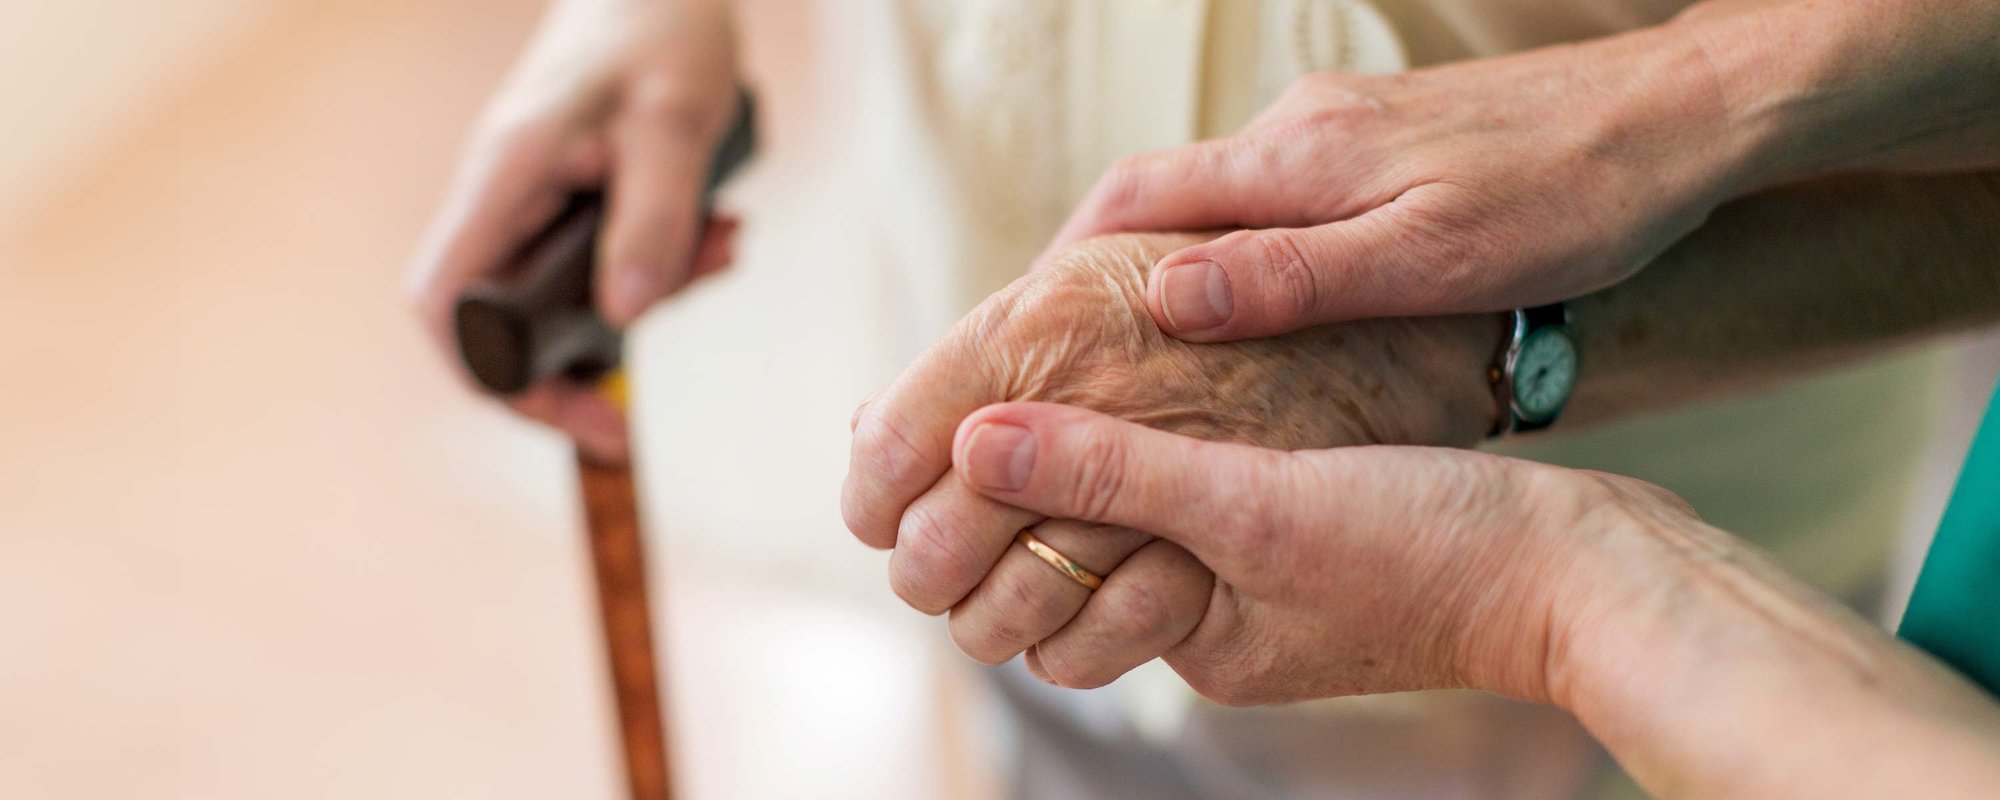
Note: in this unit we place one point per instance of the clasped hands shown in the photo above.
(1378, 207)
(1260, 574)
(1157, 408)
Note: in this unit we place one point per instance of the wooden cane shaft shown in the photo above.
(618, 558)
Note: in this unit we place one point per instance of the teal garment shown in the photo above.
(1954, 611)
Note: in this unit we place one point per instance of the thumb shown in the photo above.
(1389, 262)
(1065, 462)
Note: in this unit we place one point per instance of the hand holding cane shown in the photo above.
(534, 321)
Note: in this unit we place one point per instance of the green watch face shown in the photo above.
(1544, 374)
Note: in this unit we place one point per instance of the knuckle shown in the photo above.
(1289, 274)
(985, 641)
(1139, 612)
(1061, 667)
(1122, 189)
(517, 145)
(1071, 673)
(1073, 670)
(665, 106)
(1327, 117)
(1036, 601)
(1253, 522)
(1311, 85)
(1322, 103)
(1031, 606)
(1444, 252)
(885, 451)
(855, 513)
(1100, 476)
(930, 558)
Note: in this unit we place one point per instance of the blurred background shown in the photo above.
(255, 542)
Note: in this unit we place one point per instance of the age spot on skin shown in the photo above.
(1634, 334)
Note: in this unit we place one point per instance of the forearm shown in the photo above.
(1790, 281)
(1814, 87)
(1708, 672)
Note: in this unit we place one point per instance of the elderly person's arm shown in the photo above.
(1776, 285)
(1704, 669)
(1529, 178)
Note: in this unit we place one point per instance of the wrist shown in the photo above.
(1669, 107)
(1465, 348)
(1759, 88)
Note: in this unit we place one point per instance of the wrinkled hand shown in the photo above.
(628, 96)
(1078, 333)
(1704, 669)
(1345, 571)
(1480, 186)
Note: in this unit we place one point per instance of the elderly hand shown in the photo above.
(633, 95)
(1478, 186)
(1078, 333)
(1346, 571)
(1705, 670)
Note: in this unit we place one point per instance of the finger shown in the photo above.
(717, 248)
(902, 437)
(1024, 599)
(664, 138)
(1195, 187)
(1390, 262)
(854, 422)
(1214, 499)
(948, 541)
(507, 190)
(586, 415)
(1154, 600)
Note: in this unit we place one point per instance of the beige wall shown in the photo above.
(73, 71)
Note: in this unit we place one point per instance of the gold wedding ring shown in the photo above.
(1062, 563)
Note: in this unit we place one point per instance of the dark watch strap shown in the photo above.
(1544, 316)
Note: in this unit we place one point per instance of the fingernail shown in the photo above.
(1000, 456)
(1196, 296)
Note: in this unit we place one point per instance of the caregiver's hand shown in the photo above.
(1478, 186)
(1520, 180)
(1078, 333)
(1705, 670)
(630, 96)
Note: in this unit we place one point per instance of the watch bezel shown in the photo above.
(1520, 348)
(1524, 325)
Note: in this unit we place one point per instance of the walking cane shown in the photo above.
(534, 321)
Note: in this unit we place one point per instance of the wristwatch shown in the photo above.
(1535, 371)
